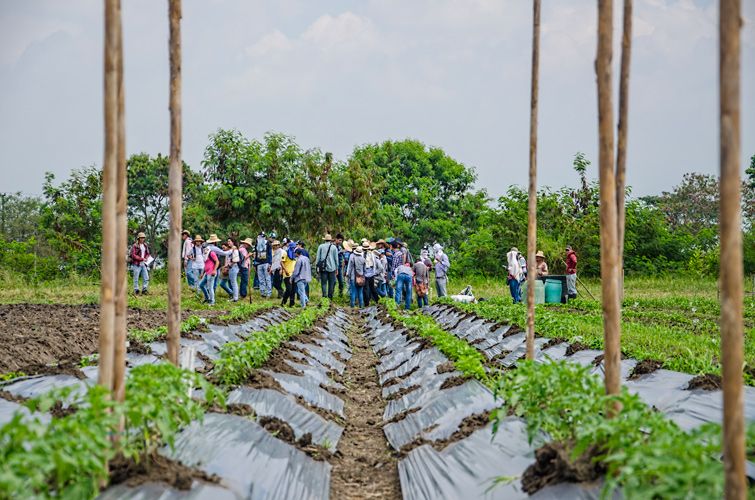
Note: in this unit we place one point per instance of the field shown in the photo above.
(380, 400)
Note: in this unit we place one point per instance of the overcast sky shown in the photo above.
(336, 73)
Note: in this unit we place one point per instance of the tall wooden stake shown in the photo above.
(119, 359)
(609, 265)
(109, 167)
(175, 188)
(532, 198)
(730, 222)
(621, 148)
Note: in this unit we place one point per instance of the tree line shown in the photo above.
(395, 188)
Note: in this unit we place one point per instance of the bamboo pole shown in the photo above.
(621, 148)
(119, 361)
(109, 167)
(175, 178)
(532, 197)
(609, 265)
(730, 223)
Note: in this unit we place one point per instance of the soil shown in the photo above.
(707, 382)
(466, 428)
(446, 367)
(12, 397)
(365, 466)
(452, 382)
(278, 428)
(553, 465)
(401, 393)
(156, 468)
(552, 342)
(576, 347)
(645, 366)
(33, 336)
(59, 411)
(396, 380)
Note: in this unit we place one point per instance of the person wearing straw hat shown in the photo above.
(571, 272)
(276, 266)
(197, 260)
(542, 267)
(514, 275)
(372, 271)
(326, 264)
(211, 243)
(288, 265)
(355, 275)
(140, 258)
(340, 268)
(245, 247)
(302, 276)
(210, 272)
(441, 266)
(186, 252)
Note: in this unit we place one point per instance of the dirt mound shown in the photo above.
(278, 428)
(553, 465)
(645, 366)
(33, 336)
(576, 347)
(156, 468)
(452, 382)
(707, 382)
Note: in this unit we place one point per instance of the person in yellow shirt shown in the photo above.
(287, 269)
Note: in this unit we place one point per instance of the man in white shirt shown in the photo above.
(186, 255)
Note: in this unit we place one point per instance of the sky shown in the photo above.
(336, 74)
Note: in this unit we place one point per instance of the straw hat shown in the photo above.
(213, 238)
(381, 241)
(373, 246)
(276, 243)
(248, 241)
(186, 232)
(347, 246)
(540, 254)
(358, 251)
(198, 238)
(141, 235)
(514, 249)
(327, 237)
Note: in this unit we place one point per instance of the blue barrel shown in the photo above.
(552, 291)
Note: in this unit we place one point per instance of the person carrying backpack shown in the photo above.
(140, 258)
(442, 264)
(326, 264)
(355, 275)
(207, 284)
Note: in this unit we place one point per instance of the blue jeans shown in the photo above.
(422, 301)
(266, 280)
(207, 285)
(404, 290)
(244, 274)
(140, 270)
(381, 289)
(356, 294)
(191, 276)
(301, 289)
(516, 290)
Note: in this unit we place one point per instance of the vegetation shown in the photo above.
(238, 359)
(67, 457)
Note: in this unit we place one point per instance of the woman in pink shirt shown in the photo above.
(207, 285)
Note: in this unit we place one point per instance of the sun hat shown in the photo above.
(141, 235)
(213, 238)
(327, 237)
(198, 238)
(437, 247)
(276, 243)
(347, 246)
(373, 245)
(514, 249)
(540, 254)
(248, 241)
(186, 232)
(358, 251)
(381, 241)
(568, 247)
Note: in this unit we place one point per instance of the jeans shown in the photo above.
(404, 289)
(266, 281)
(516, 290)
(233, 275)
(207, 285)
(289, 293)
(356, 294)
(571, 285)
(256, 282)
(440, 285)
(140, 270)
(277, 281)
(244, 275)
(301, 289)
(339, 277)
(422, 301)
(388, 289)
(382, 290)
(191, 276)
(328, 283)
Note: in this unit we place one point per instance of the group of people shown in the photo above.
(370, 270)
(517, 271)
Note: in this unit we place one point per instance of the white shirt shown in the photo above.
(142, 249)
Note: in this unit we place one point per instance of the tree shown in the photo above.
(19, 216)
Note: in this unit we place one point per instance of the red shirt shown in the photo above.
(211, 264)
(571, 262)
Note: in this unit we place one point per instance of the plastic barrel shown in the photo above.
(552, 291)
(539, 292)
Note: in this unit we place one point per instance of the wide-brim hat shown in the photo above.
(327, 237)
(248, 241)
(276, 243)
(540, 254)
(213, 238)
(373, 245)
(381, 241)
(141, 235)
(358, 251)
(365, 240)
(347, 246)
(186, 232)
(198, 238)
(514, 249)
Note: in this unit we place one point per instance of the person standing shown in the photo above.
(219, 252)
(542, 267)
(381, 277)
(186, 251)
(442, 264)
(140, 258)
(287, 270)
(275, 267)
(302, 276)
(571, 272)
(340, 269)
(403, 274)
(389, 268)
(246, 263)
(421, 282)
(207, 284)
(197, 261)
(371, 272)
(355, 276)
(514, 275)
(326, 264)
(264, 260)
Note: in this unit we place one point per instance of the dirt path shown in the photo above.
(365, 466)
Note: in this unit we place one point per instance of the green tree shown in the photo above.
(19, 216)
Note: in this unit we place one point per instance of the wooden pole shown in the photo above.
(730, 223)
(109, 167)
(532, 197)
(609, 264)
(621, 148)
(175, 188)
(119, 361)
